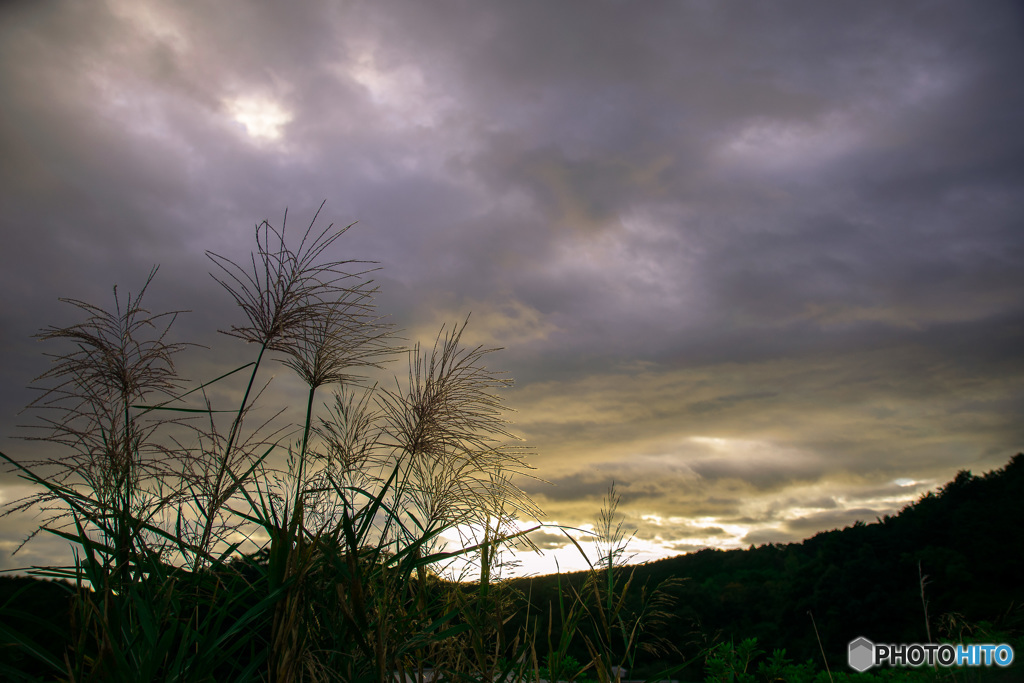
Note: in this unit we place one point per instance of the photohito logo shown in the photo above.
(863, 654)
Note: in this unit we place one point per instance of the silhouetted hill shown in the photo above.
(967, 538)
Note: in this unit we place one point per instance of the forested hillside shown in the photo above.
(967, 539)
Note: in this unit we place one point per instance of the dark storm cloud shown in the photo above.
(742, 257)
(795, 530)
(594, 485)
(764, 536)
(677, 530)
(546, 540)
(830, 520)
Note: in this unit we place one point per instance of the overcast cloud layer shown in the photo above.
(759, 264)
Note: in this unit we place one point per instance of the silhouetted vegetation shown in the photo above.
(211, 545)
(210, 549)
(967, 538)
(734, 613)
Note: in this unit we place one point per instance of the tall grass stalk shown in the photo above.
(202, 559)
(618, 627)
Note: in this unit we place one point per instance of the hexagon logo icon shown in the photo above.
(862, 654)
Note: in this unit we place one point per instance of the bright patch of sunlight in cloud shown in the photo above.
(262, 118)
(754, 453)
(713, 441)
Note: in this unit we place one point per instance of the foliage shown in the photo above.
(858, 581)
(735, 663)
(166, 497)
(617, 627)
(568, 669)
(211, 545)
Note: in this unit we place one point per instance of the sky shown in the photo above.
(759, 264)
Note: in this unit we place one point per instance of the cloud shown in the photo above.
(546, 540)
(830, 520)
(751, 264)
